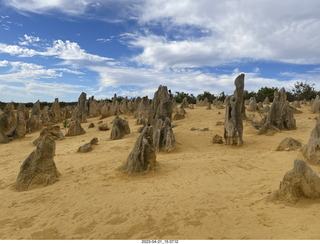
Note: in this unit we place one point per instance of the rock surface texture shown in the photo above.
(311, 151)
(120, 127)
(39, 168)
(88, 146)
(301, 181)
(52, 131)
(233, 125)
(143, 157)
(280, 115)
(288, 144)
(75, 129)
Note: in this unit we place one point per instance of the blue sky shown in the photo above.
(59, 48)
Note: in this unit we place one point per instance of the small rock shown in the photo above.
(88, 146)
(204, 129)
(216, 139)
(104, 127)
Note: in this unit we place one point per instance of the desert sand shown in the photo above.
(199, 191)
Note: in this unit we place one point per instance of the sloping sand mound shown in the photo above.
(199, 191)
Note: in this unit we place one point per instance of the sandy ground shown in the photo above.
(199, 191)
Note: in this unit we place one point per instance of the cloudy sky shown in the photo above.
(59, 48)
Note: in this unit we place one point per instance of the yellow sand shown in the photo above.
(200, 191)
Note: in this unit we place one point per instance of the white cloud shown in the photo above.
(20, 72)
(28, 40)
(39, 6)
(33, 90)
(234, 30)
(72, 8)
(4, 63)
(69, 71)
(17, 50)
(103, 40)
(195, 34)
(68, 51)
(188, 80)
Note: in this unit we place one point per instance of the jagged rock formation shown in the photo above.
(80, 113)
(105, 110)
(136, 103)
(66, 113)
(39, 168)
(19, 130)
(7, 119)
(184, 103)
(142, 112)
(179, 113)
(93, 108)
(34, 123)
(11, 126)
(252, 104)
(46, 116)
(88, 146)
(143, 157)
(266, 101)
(209, 106)
(120, 128)
(202, 102)
(124, 106)
(301, 181)
(56, 111)
(311, 151)
(219, 105)
(114, 107)
(75, 129)
(288, 144)
(161, 107)
(163, 137)
(233, 125)
(52, 131)
(159, 117)
(36, 111)
(315, 105)
(280, 115)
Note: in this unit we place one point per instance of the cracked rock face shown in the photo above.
(288, 144)
(301, 181)
(280, 115)
(52, 131)
(120, 128)
(81, 110)
(39, 168)
(143, 157)
(75, 129)
(311, 151)
(233, 125)
(161, 106)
